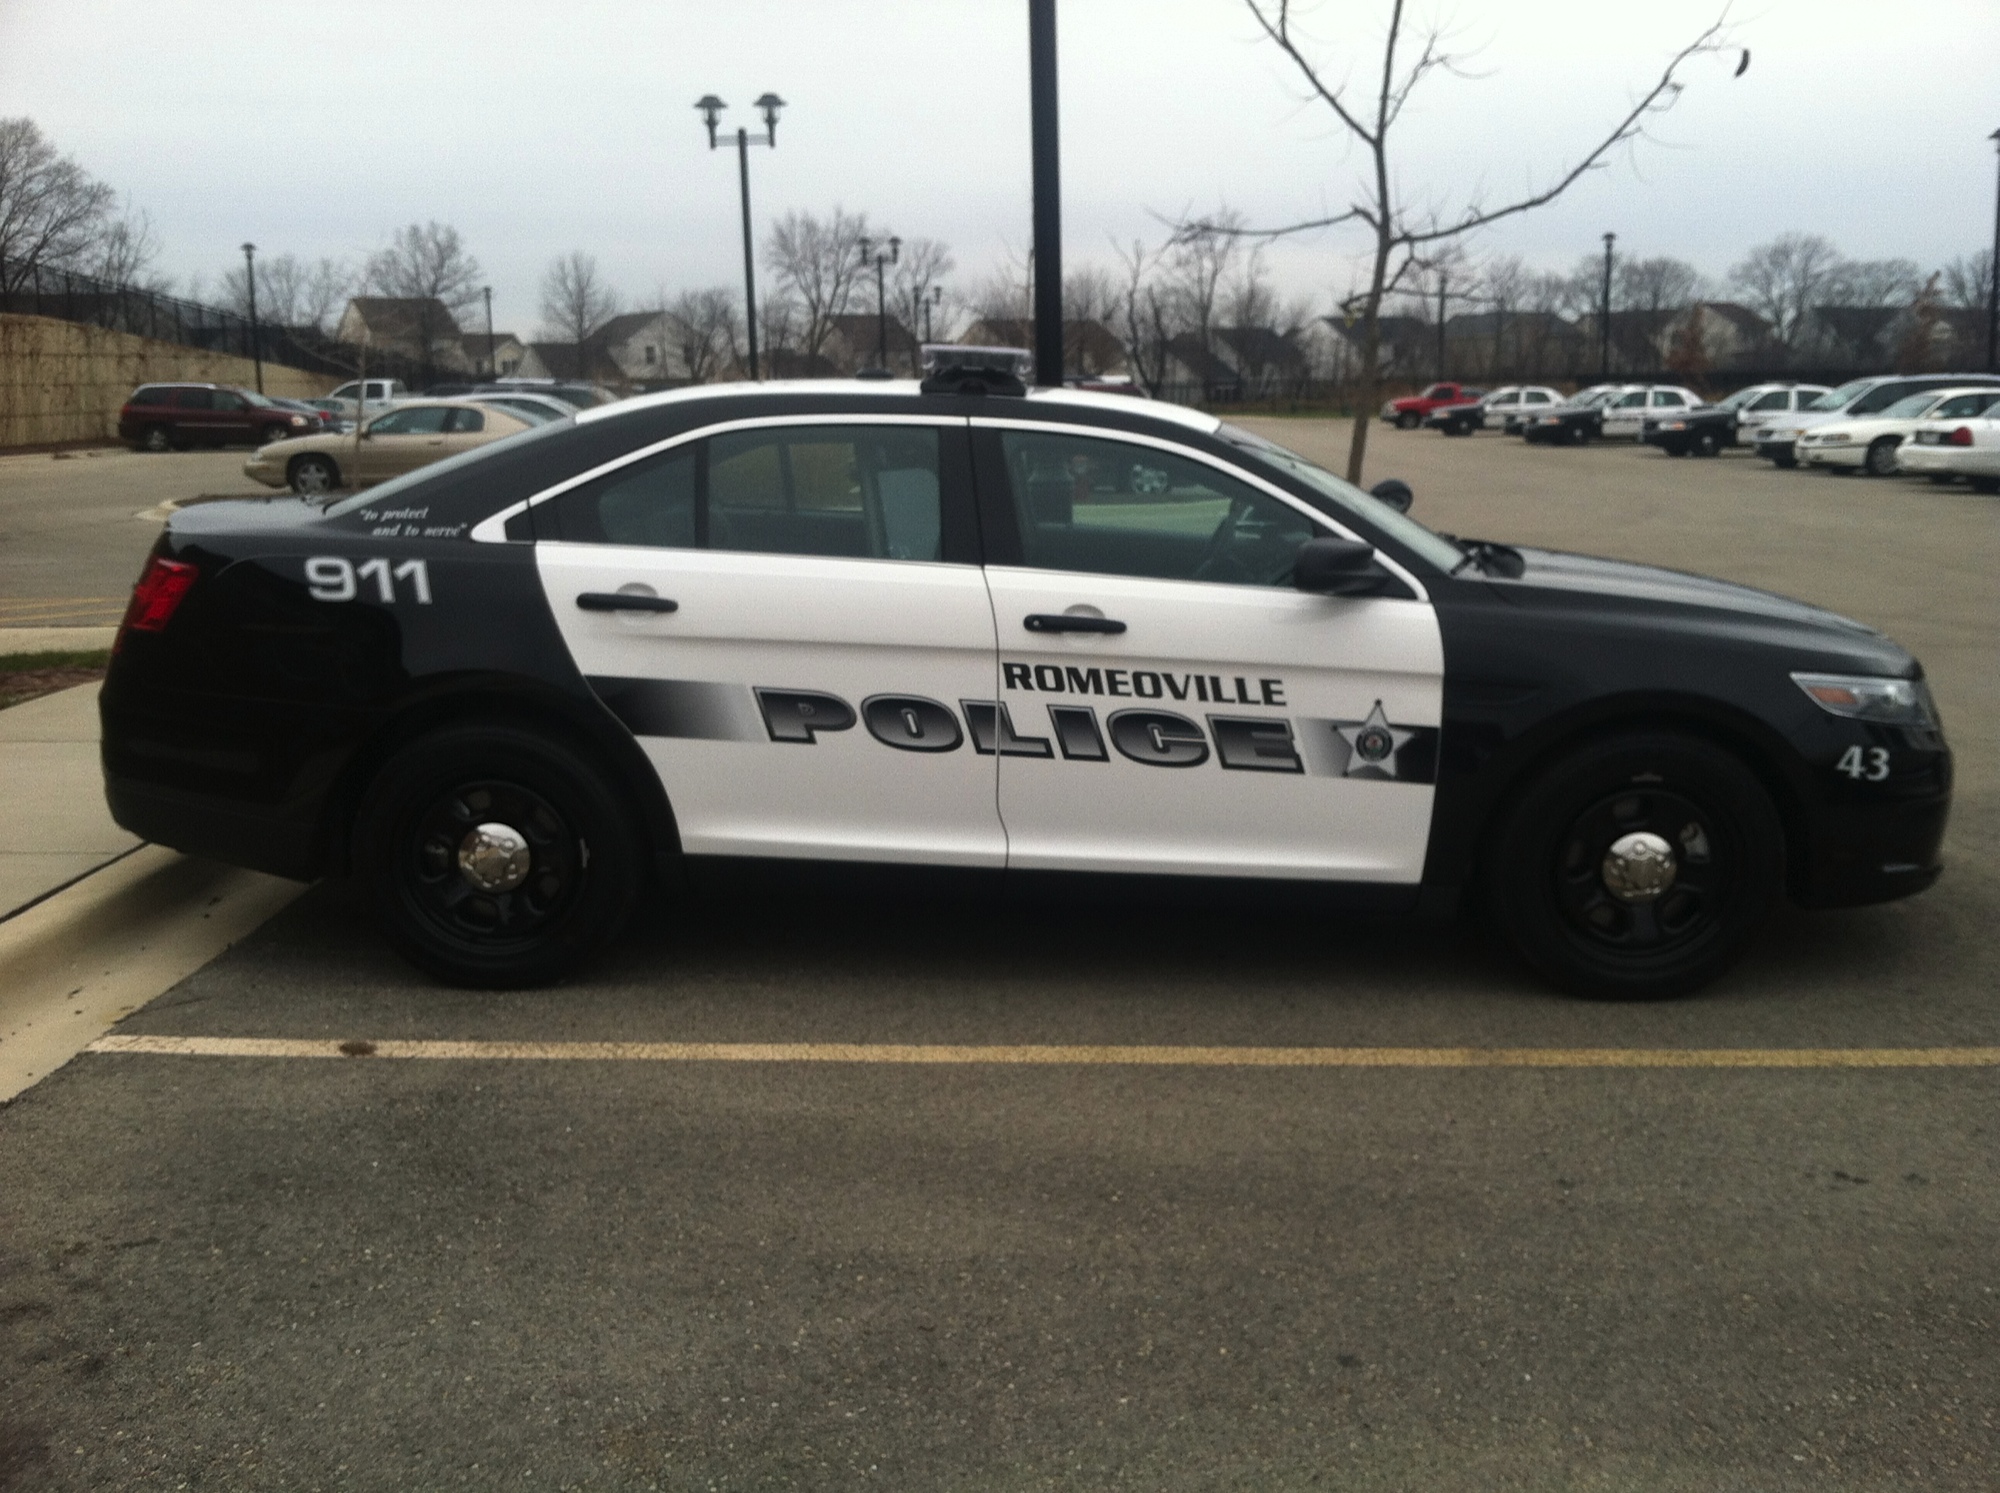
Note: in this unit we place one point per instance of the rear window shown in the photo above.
(152, 395)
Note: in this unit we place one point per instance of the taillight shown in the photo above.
(159, 592)
(1960, 437)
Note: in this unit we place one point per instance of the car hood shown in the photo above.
(1621, 581)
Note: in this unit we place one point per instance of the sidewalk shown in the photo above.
(58, 827)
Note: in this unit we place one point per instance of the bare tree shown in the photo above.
(1405, 231)
(327, 285)
(1783, 280)
(1142, 317)
(924, 266)
(1968, 280)
(427, 263)
(706, 328)
(51, 210)
(126, 250)
(1656, 285)
(1874, 282)
(817, 262)
(1198, 260)
(576, 302)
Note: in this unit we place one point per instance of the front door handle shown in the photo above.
(1069, 622)
(625, 601)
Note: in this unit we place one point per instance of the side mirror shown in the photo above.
(1337, 567)
(1395, 492)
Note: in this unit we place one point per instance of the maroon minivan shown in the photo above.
(163, 417)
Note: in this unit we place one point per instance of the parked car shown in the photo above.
(583, 396)
(1947, 450)
(339, 412)
(378, 391)
(536, 409)
(1777, 440)
(1409, 413)
(1503, 407)
(1625, 416)
(400, 439)
(1870, 444)
(173, 417)
(507, 396)
(940, 625)
(1705, 430)
(1574, 423)
(326, 419)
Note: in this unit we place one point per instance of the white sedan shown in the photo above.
(1626, 415)
(1871, 443)
(1944, 449)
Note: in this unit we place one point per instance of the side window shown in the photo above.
(1776, 400)
(1109, 508)
(1668, 399)
(1880, 398)
(1534, 397)
(1631, 401)
(427, 420)
(464, 422)
(195, 399)
(651, 502)
(152, 396)
(854, 491)
(862, 491)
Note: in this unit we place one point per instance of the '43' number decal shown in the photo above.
(1864, 764)
(332, 578)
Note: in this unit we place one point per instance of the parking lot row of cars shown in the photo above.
(1945, 426)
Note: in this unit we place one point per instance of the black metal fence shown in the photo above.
(68, 295)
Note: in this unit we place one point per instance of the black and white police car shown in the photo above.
(960, 624)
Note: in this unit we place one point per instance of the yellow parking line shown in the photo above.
(1065, 1056)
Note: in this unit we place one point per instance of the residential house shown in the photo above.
(853, 343)
(1196, 374)
(561, 360)
(497, 357)
(1728, 335)
(421, 329)
(1267, 362)
(1850, 336)
(1407, 350)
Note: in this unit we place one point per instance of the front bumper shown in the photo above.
(1784, 450)
(1848, 454)
(260, 468)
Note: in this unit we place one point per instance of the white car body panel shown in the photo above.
(1845, 443)
(1626, 415)
(1980, 459)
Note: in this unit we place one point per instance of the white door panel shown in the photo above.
(746, 772)
(1274, 688)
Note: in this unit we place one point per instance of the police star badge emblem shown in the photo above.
(1371, 745)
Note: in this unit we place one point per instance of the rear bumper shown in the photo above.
(217, 828)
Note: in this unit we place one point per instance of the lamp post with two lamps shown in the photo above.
(711, 112)
(250, 285)
(873, 253)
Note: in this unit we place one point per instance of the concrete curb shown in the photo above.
(56, 639)
(85, 958)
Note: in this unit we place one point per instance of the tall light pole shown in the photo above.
(711, 112)
(1993, 280)
(872, 253)
(250, 282)
(1604, 329)
(1444, 277)
(936, 295)
(487, 291)
(1045, 149)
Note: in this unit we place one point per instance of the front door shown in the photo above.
(1168, 701)
(827, 665)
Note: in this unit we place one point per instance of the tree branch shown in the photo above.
(1280, 32)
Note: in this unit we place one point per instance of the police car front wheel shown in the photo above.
(496, 856)
(1638, 866)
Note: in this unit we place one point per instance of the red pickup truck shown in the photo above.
(1408, 414)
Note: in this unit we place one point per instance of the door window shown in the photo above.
(854, 491)
(1109, 508)
(1631, 401)
(465, 422)
(1667, 399)
(1776, 400)
(423, 421)
(1534, 397)
(195, 399)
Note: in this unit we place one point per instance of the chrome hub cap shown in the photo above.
(1638, 867)
(494, 857)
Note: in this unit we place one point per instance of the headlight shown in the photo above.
(1894, 702)
(300, 420)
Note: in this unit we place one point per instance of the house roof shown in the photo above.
(620, 327)
(1188, 351)
(402, 316)
(561, 360)
(475, 342)
(862, 331)
(1262, 346)
(1746, 321)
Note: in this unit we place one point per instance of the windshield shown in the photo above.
(1909, 406)
(1348, 500)
(1835, 399)
(397, 486)
(1740, 398)
(256, 400)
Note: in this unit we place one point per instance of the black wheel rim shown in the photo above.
(1677, 917)
(434, 886)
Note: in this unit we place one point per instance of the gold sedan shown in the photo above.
(398, 440)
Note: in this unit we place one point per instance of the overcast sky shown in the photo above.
(536, 128)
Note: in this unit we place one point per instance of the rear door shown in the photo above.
(827, 664)
(1625, 414)
(1168, 702)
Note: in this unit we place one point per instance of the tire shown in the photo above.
(1881, 458)
(157, 439)
(583, 857)
(1784, 463)
(1707, 443)
(1675, 450)
(1408, 420)
(1550, 856)
(313, 476)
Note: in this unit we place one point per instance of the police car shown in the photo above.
(960, 624)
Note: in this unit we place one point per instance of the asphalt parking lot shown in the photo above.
(677, 1272)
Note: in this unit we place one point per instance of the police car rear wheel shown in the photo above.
(1638, 867)
(497, 857)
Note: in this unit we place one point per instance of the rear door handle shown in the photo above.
(625, 601)
(1069, 622)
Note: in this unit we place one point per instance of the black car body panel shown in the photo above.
(249, 728)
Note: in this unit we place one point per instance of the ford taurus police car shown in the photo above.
(960, 624)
